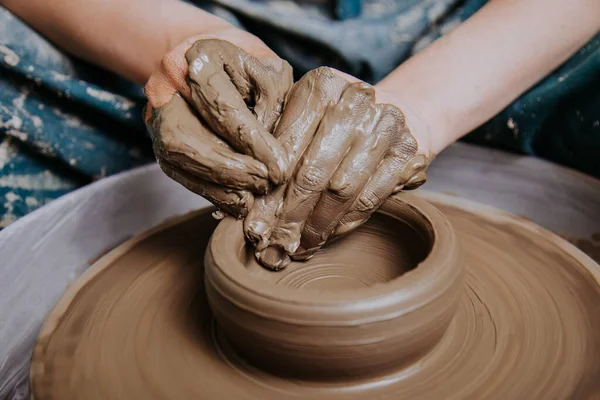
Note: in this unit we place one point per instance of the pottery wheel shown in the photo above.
(137, 325)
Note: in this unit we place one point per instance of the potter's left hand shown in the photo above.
(358, 149)
(212, 104)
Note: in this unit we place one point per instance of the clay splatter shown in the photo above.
(10, 57)
(120, 102)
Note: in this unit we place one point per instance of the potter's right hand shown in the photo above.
(212, 105)
(352, 148)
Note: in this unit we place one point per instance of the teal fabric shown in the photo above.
(309, 35)
(559, 119)
(65, 123)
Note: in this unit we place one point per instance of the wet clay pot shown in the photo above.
(370, 303)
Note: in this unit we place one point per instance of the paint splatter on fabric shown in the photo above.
(65, 123)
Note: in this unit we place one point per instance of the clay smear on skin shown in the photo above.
(328, 162)
(348, 152)
(211, 142)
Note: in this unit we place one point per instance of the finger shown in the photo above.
(263, 79)
(332, 141)
(373, 140)
(170, 76)
(414, 173)
(306, 105)
(220, 104)
(376, 191)
(394, 174)
(262, 218)
(263, 86)
(270, 94)
(402, 168)
(181, 139)
(236, 203)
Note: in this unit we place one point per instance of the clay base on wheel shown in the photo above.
(137, 326)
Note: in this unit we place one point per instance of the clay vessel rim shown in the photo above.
(501, 216)
(432, 277)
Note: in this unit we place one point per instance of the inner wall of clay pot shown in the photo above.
(379, 251)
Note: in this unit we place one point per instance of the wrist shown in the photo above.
(419, 125)
(184, 21)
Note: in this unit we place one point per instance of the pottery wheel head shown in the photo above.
(151, 320)
(373, 301)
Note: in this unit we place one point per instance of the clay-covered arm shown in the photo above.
(471, 74)
(127, 37)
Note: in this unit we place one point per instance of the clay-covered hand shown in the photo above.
(212, 105)
(351, 153)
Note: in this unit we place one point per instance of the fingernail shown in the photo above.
(416, 181)
(274, 258)
(218, 215)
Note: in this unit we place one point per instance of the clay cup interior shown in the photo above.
(370, 303)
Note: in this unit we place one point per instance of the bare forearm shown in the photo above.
(469, 75)
(126, 37)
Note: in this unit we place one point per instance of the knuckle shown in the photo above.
(287, 74)
(390, 123)
(322, 76)
(321, 73)
(167, 70)
(391, 117)
(150, 86)
(367, 202)
(344, 189)
(221, 173)
(310, 178)
(247, 134)
(407, 147)
(166, 63)
(153, 87)
(393, 113)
